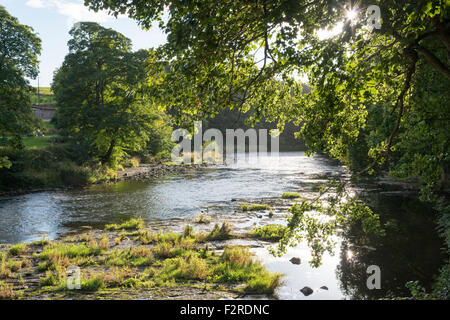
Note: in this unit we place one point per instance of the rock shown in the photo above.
(295, 260)
(324, 287)
(259, 216)
(233, 200)
(306, 291)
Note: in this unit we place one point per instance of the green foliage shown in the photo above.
(92, 284)
(52, 278)
(131, 224)
(46, 167)
(46, 97)
(109, 108)
(270, 232)
(237, 265)
(290, 195)
(317, 221)
(220, 233)
(18, 60)
(254, 207)
(18, 249)
(139, 256)
(189, 267)
(6, 291)
(68, 250)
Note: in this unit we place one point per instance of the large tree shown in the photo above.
(19, 51)
(102, 92)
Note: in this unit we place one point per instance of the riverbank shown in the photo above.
(144, 171)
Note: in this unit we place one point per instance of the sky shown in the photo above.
(52, 20)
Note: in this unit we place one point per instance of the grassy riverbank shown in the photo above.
(132, 261)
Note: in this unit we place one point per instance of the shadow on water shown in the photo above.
(409, 250)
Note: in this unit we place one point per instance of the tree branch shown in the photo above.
(433, 60)
(400, 103)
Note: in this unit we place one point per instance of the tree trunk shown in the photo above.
(107, 156)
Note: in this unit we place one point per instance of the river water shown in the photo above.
(410, 250)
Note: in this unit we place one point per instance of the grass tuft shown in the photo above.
(254, 207)
(270, 232)
(18, 249)
(202, 218)
(6, 292)
(290, 195)
(220, 233)
(132, 224)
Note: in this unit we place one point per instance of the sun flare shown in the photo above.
(352, 14)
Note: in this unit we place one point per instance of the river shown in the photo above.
(410, 250)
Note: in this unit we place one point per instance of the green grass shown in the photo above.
(138, 256)
(93, 284)
(173, 260)
(18, 249)
(254, 207)
(220, 233)
(132, 224)
(189, 267)
(37, 142)
(46, 96)
(290, 195)
(271, 232)
(236, 265)
(68, 250)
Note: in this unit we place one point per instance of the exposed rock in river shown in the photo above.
(307, 291)
(295, 260)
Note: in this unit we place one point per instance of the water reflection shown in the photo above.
(408, 251)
